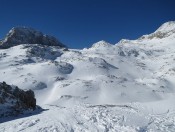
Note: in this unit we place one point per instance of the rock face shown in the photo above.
(24, 35)
(14, 101)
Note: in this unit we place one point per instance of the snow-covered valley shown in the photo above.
(128, 86)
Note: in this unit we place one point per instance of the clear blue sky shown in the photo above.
(79, 23)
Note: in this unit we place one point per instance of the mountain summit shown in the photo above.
(165, 30)
(25, 35)
(101, 43)
(167, 27)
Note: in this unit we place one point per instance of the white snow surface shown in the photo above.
(126, 87)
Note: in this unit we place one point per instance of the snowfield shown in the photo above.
(126, 87)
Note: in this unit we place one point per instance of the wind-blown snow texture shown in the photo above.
(129, 86)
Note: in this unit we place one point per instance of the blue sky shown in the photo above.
(80, 23)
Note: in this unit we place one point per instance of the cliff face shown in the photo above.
(14, 101)
(24, 35)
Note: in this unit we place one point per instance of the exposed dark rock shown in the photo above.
(128, 52)
(24, 35)
(133, 52)
(158, 34)
(121, 52)
(59, 79)
(14, 101)
(39, 86)
(43, 51)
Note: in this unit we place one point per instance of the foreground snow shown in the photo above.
(129, 86)
(113, 118)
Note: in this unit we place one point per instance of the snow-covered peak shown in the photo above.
(22, 29)
(123, 41)
(167, 27)
(101, 43)
(163, 33)
(25, 35)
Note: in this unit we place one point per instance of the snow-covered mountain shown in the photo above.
(129, 86)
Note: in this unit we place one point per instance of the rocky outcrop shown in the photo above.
(14, 101)
(24, 35)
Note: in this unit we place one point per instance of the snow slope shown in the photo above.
(129, 86)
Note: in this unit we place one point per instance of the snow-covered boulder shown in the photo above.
(25, 35)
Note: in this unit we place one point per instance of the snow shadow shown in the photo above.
(39, 110)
